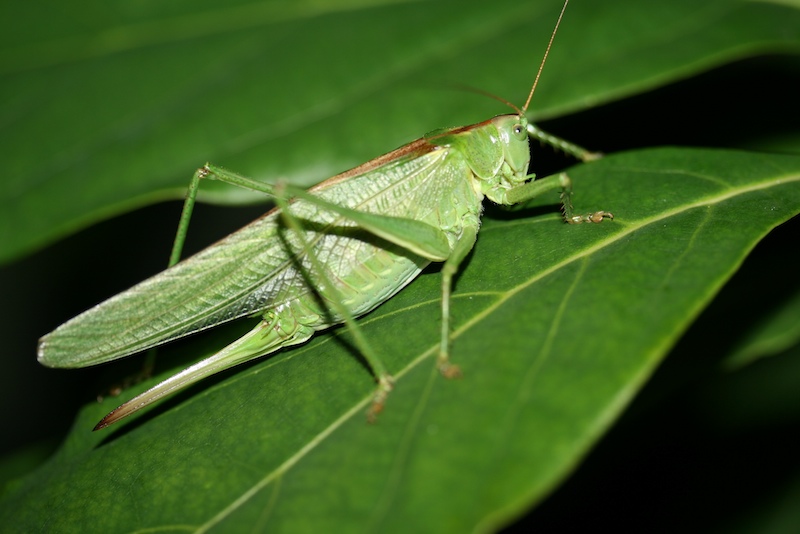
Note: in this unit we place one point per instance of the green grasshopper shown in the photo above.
(325, 257)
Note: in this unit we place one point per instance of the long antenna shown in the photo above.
(546, 52)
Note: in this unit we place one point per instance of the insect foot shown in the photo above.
(385, 386)
(592, 156)
(566, 205)
(449, 370)
(596, 217)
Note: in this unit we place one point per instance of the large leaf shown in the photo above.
(169, 86)
(556, 329)
(107, 106)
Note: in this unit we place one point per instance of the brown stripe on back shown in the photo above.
(413, 149)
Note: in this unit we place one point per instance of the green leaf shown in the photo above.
(109, 106)
(557, 327)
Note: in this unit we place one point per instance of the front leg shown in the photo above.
(534, 188)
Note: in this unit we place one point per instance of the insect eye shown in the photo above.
(518, 130)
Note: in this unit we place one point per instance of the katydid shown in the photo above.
(322, 257)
